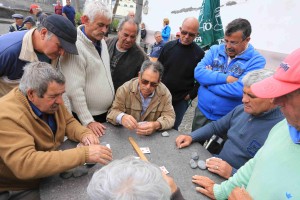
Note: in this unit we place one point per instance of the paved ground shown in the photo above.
(186, 124)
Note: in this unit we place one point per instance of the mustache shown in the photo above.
(230, 50)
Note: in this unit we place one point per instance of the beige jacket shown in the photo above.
(128, 100)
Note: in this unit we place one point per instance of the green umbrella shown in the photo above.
(211, 28)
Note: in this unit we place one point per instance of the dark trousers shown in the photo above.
(22, 194)
(98, 118)
(180, 108)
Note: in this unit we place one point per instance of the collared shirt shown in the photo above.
(50, 118)
(145, 104)
(96, 44)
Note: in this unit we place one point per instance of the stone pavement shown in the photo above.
(186, 124)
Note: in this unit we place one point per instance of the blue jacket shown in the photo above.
(246, 133)
(165, 33)
(10, 48)
(216, 97)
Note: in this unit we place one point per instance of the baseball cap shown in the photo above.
(17, 16)
(29, 19)
(64, 30)
(285, 80)
(33, 6)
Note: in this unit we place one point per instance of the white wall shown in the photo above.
(275, 23)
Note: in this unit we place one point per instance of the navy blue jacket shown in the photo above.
(246, 133)
(10, 48)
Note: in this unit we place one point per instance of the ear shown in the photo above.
(43, 33)
(248, 39)
(84, 19)
(30, 95)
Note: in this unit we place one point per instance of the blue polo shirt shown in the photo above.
(50, 118)
(70, 13)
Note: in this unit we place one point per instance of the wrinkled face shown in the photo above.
(127, 36)
(290, 107)
(50, 101)
(158, 37)
(51, 47)
(189, 32)
(19, 22)
(235, 44)
(148, 81)
(97, 28)
(254, 105)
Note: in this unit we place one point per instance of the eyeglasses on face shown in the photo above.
(146, 82)
(190, 34)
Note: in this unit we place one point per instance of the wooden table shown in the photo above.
(163, 153)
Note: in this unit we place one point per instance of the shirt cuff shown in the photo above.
(119, 118)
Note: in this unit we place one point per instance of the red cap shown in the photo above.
(32, 7)
(285, 80)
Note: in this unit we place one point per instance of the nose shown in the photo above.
(245, 98)
(59, 100)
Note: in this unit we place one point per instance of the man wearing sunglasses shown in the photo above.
(144, 103)
(179, 58)
(221, 71)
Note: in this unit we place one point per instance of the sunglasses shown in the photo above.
(152, 84)
(190, 34)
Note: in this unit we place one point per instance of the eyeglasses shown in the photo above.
(233, 43)
(190, 34)
(146, 82)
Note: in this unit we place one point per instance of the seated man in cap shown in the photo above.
(273, 173)
(37, 11)
(247, 126)
(131, 178)
(34, 122)
(18, 24)
(144, 99)
(46, 43)
(29, 22)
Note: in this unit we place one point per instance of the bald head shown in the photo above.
(189, 30)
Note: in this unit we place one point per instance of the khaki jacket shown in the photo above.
(128, 100)
(27, 144)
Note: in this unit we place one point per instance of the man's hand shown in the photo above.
(147, 128)
(239, 193)
(231, 79)
(219, 166)
(206, 185)
(97, 128)
(183, 141)
(187, 97)
(89, 139)
(129, 122)
(100, 154)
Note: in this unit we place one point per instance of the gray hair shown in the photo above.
(94, 8)
(239, 25)
(157, 32)
(37, 76)
(154, 66)
(130, 21)
(256, 76)
(129, 178)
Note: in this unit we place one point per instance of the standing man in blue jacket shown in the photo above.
(220, 73)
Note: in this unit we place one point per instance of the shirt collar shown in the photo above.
(35, 109)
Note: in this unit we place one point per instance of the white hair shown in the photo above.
(256, 75)
(129, 179)
(94, 8)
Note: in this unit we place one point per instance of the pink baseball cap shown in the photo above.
(285, 80)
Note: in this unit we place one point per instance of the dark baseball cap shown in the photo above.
(64, 30)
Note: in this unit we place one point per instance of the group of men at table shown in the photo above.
(34, 119)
